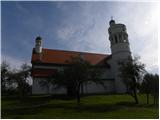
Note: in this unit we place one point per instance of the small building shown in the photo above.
(45, 62)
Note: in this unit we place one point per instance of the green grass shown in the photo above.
(99, 106)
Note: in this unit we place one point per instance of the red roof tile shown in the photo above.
(61, 56)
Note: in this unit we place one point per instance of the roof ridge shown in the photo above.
(76, 51)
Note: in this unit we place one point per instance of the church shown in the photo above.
(45, 62)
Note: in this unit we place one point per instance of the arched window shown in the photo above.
(112, 40)
(125, 38)
(120, 38)
(116, 40)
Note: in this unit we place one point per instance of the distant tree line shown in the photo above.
(150, 86)
(15, 82)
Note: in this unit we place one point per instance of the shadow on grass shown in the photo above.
(82, 107)
(17, 107)
(67, 107)
(132, 104)
(35, 104)
(27, 101)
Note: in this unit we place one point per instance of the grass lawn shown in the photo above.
(98, 106)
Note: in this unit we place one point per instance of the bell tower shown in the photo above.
(120, 51)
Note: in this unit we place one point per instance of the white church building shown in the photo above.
(45, 62)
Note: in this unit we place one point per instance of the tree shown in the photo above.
(77, 72)
(65, 79)
(155, 88)
(21, 78)
(5, 76)
(132, 71)
(146, 86)
(150, 85)
(80, 72)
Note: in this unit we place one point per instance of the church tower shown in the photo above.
(38, 45)
(120, 51)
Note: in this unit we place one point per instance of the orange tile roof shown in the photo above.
(61, 56)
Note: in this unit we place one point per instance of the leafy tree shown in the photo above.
(150, 85)
(7, 82)
(21, 79)
(5, 76)
(65, 79)
(146, 86)
(13, 80)
(77, 72)
(132, 71)
(155, 88)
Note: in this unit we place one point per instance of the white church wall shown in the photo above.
(120, 48)
(98, 88)
(119, 84)
(58, 91)
(38, 89)
(122, 56)
(106, 73)
(88, 88)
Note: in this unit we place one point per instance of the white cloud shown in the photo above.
(21, 8)
(141, 20)
(13, 62)
(87, 33)
(144, 35)
(65, 33)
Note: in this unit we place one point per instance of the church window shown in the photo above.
(125, 38)
(116, 40)
(120, 37)
(124, 29)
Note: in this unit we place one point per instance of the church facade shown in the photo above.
(45, 62)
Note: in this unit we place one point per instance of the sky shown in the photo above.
(77, 26)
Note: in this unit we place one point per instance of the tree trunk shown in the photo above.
(154, 100)
(48, 90)
(135, 91)
(147, 98)
(135, 96)
(78, 93)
